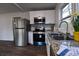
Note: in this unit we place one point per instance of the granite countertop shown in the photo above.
(56, 43)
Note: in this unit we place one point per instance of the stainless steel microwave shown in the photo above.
(39, 20)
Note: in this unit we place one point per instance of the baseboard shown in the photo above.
(6, 40)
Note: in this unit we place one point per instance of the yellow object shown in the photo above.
(76, 36)
(75, 13)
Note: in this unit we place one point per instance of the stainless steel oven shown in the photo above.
(39, 33)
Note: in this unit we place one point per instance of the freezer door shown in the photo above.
(19, 23)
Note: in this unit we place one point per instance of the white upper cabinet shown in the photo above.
(48, 14)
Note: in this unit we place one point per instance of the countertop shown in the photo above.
(55, 44)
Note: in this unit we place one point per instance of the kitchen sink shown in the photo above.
(57, 37)
(60, 36)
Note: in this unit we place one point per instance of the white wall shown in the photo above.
(6, 31)
(58, 17)
(48, 14)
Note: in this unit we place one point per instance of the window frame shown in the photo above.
(62, 12)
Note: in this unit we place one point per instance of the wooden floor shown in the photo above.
(8, 49)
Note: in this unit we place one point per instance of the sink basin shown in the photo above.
(60, 36)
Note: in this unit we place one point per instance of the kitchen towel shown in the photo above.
(68, 51)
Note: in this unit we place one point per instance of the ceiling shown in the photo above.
(15, 7)
(38, 6)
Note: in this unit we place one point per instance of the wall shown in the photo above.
(6, 31)
(48, 14)
(58, 16)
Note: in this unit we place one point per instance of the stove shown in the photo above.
(39, 33)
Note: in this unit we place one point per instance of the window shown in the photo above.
(66, 11)
(77, 7)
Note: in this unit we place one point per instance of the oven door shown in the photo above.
(39, 39)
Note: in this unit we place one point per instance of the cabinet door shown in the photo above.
(49, 16)
(30, 39)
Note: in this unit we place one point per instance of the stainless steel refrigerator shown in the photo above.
(20, 31)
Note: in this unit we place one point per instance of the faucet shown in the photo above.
(66, 28)
(66, 23)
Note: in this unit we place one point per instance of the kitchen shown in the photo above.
(43, 20)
